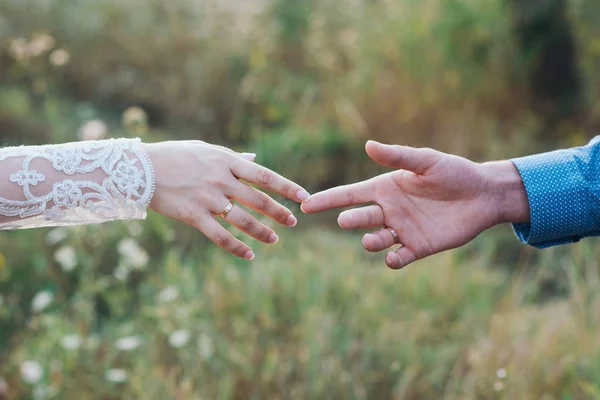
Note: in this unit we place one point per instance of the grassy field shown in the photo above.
(317, 317)
(151, 309)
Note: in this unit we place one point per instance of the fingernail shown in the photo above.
(391, 259)
(273, 238)
(249, 255)
(291, 221)
(302, 195)
(249, 156)
(364, 240)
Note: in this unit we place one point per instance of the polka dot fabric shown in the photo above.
(563, 188)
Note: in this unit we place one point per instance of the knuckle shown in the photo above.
(202, 197)
(181, 215)
(185, 215)
(261, 201)
(286, 189)
(223, 239)
(265, 235)
(381, 241)
(399, 158)
(264, 177)
(246, 222)
(369, 217)
(281, 214)
(240, 250)
(216, 183)
(350, 196)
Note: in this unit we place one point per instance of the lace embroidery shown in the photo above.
(124, 192)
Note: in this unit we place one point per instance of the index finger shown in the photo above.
(341, 196)
(267, 179)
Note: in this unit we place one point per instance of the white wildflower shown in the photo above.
(34, 48)
(133, 255)
(501, 373)
(168, 294)
(134, 228)
(134, 115)
(41, 301)
(179, 338)
(128, 343)
(59, 57)
(93, 130)
(47, 42)
(498, 386)
(71, 342)
(121, 272)
(40, 44)
(116, 375)
(139, 259)
(31, 371)
(66, 257)
(56, 235)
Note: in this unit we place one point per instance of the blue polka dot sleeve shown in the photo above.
(563, 188)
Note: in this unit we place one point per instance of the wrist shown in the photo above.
(506, 192)
(151, 153)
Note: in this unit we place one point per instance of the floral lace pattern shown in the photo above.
(91, 182)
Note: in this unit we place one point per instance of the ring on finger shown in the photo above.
(227, 210)
(394, 234)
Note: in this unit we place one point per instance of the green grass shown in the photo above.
(316, 317)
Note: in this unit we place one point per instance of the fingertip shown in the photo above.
(249, 255)
(249, 156)
(305, 208)
(302, 195)
(371, 143)
(367, 241)
(392, 260)
(291, 221)
(342, 220)
(374, 149)
(364, 241)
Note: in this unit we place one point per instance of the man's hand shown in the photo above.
(434, 201)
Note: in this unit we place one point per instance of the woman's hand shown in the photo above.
(195, 181)
(433, 201)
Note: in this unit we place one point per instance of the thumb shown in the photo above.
(417, 160)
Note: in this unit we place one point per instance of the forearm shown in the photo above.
(74, 183)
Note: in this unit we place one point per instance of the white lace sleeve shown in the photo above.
(74, 183)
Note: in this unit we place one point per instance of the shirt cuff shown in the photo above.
(559, 198)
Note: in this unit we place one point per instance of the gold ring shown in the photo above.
(394, 234)
(226, 210)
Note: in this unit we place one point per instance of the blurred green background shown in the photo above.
(152, 310)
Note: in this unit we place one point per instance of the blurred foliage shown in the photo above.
(129, 310)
